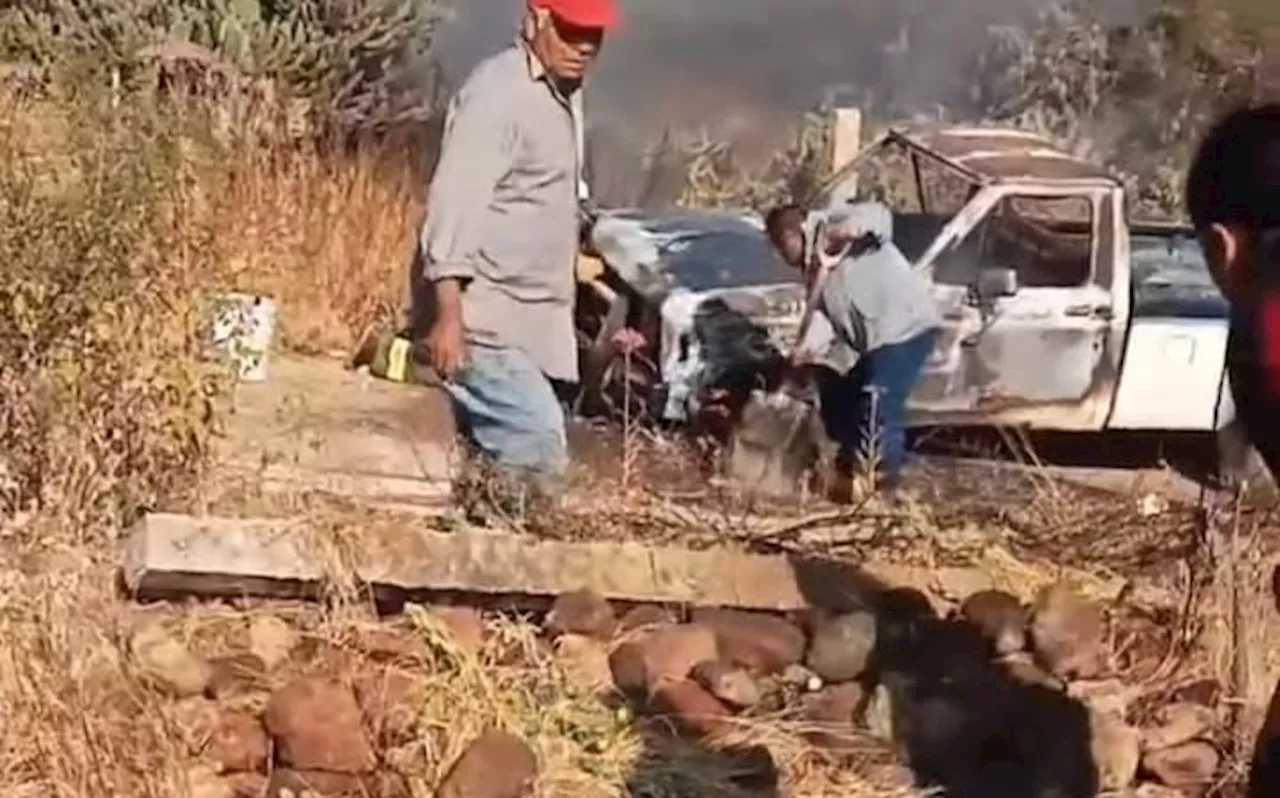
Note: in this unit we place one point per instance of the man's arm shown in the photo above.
(475, 154)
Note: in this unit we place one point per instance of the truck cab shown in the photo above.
(1058, 312)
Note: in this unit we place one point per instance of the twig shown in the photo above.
(1177, 641)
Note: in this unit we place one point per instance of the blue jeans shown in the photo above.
(509, 413)
(881, 381)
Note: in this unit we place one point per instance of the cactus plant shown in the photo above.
(360, 62)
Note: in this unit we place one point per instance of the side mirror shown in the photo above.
(995, 283)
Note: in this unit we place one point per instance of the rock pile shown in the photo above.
(311, 732)
(316, 734)
(721, 664)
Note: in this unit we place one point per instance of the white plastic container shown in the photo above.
(244, 328)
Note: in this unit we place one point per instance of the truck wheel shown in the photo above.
(1240, 466)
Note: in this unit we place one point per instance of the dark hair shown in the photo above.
(1235, 175)
(783, 218)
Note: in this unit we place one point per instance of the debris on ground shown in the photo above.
(365, 709)
(543, 661)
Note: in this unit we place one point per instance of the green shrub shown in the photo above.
(104, 400)
(1133, 97)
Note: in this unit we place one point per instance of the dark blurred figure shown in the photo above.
(1233, 197)
(967, 726)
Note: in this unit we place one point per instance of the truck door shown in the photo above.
(1033, 321)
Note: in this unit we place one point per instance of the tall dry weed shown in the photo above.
(104, 398)
(105, 410)
(328, 235)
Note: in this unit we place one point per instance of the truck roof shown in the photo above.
(996, 154)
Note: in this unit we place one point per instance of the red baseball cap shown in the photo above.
(583, 13)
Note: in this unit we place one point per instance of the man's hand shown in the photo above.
(446, 343)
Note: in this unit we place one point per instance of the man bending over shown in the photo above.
(874, 328)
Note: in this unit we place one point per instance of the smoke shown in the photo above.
(743, 70)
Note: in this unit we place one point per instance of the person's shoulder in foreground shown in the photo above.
(1233, 198)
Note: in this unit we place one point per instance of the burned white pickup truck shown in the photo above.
(1059, 313)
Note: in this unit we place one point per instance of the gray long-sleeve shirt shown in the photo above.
(502, 212)
(870, 300)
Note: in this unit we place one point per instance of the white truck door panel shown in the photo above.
(1040, 355)
(1172, 375)
(1046, 355)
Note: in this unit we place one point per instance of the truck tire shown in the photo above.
(1239, 466)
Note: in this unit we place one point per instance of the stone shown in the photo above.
(836, 703)
(1069, 633)
(272, 558)
(203, 782)
(168, 665)
(291, 783)
(1191, 764)
(581, 612)
(316, 725)
(1116, 749)
(842, 646)
(801, 677)
(1105, 696)
(761, 643)
(1177, 723)
(645, 617)
(627, 669)
(666, 654)
(271, 640)
(1000, 617)
(388, 700)
(833, 712)
(727, 682)
(694, 710)
(237, 744)
(495, 765)
(585, 661)
(466, 624)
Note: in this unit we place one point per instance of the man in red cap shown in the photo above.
(500, 242)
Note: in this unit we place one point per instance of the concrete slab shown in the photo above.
(314, 425)
(219, 557)
(169, 554)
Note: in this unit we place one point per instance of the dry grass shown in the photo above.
(117, 224)
(329, 237)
